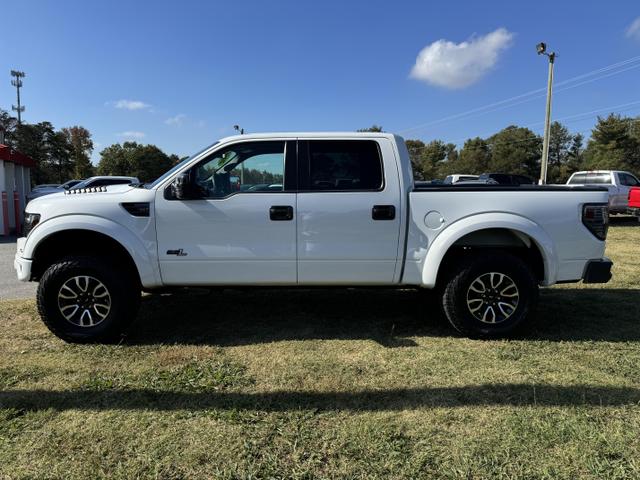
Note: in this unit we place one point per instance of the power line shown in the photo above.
(506, 103)
(620, 107)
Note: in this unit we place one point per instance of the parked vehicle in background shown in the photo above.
(42, 190)
(331, 209)
(618, 183)
(484, 181)
(508, 178)
(459, 177)
(633, 204)
(46, 185)
(436, 181)
(103, 181)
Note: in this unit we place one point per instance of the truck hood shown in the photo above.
(99, 201)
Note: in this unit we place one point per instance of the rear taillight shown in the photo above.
(595, 217)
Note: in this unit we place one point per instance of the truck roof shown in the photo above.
(600, 171)
(267, 135)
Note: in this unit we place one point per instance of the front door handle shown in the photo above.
(383, 212)
(281, 212)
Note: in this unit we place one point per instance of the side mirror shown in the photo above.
(182, 187)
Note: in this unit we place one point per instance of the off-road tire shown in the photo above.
(122, 287)
(457, 285)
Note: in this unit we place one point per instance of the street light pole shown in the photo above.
(542, 50)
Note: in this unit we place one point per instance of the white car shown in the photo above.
(341, 210)
(459, 177)
(104, 180)
(618, 184)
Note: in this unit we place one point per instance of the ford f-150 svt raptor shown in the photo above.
(308, 209)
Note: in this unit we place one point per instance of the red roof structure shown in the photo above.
(18, 158)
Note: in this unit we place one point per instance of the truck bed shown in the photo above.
(507, 188)
(549, 215)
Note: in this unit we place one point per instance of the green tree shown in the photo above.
(415, 148)
(147, 162)
(474, 157)
(81, 146)
(372, 128)
(614, 145)
(430, 158)
(575, 158)
(559, 144)
(114, 160)
(8, 125)
(515, 150)
(48, 148)
(59, 157)
(32, 141)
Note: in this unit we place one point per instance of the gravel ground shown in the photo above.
(10, 287)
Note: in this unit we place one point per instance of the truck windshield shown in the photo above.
(175, 168)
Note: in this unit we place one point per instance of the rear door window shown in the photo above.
(578, 179)
(344, 165)
(597, 178)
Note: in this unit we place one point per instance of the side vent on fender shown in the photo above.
(137, 209)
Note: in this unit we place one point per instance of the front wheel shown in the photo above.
(87, 299)
(490, 296)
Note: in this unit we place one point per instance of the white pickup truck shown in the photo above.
(617, 183)
(308, 209)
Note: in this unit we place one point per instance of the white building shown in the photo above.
(15, 183)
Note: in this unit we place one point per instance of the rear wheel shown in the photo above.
(490, 296)
(87, 299)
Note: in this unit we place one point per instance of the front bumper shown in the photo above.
(597, 271)
(20, 264)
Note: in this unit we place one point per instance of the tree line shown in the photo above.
(66, 153)
(614, 145)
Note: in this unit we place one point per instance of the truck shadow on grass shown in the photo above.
(539, 395)
(624, 221)
(393, 318)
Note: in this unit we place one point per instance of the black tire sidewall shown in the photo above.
(455, 297)
(121, 290)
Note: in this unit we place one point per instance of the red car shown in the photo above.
(634, 201)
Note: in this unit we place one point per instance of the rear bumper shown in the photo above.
(597, 271)
(634, 211)
(22, 265)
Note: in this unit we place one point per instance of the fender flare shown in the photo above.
(147, 266)
(490, 220)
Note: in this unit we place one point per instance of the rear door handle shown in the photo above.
(281, 212)
(383, 212)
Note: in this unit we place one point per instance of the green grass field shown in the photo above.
(331, 384)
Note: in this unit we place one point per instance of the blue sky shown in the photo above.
(181, 74)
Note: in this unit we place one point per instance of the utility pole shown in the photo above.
(541, 48)
(18, 84)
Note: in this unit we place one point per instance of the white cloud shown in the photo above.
(132, 134)
(130, 105)
(176, 120)
(458, 65)
(634, 29)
